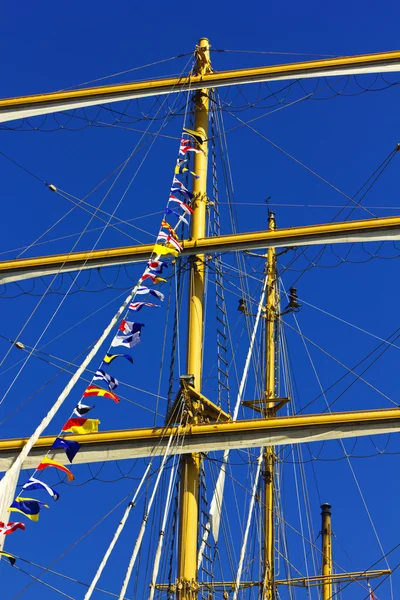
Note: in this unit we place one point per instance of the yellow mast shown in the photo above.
(270, 394)
(190, 464)
(326, 534)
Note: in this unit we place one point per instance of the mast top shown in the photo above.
(326, 508)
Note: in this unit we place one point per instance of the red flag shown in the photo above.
(93, 390)
(48, 462)
(6, 528)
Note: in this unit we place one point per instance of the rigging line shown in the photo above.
(22, 167)
(63, 576)
(43, 582)
(249, 519)
(65, 370)
(104, 124)
(216, 502)
(9, 481)
(229, 188)
(357, 365)
(74, 544)
(294, 205)
(341, 443)
(79, 205)
(71, 198)
(274, 52)
(296, 160)
(95, 245)
(172, 479)
(378, 172)
(63, 332)
(139, 538)
(158, 62)
(117, 533)
(319, 255)
(385, 341)
(158, 212)
(341, 364)
(37, 240)
(18, 408)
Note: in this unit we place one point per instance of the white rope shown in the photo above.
(162, 531)
(249, 517)
(116, 536)
(139, 539)
(216, 502)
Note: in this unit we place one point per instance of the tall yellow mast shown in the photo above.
(190, 464)
(326, 534)
(270, 403)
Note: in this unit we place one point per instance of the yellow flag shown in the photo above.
(164, 250)
(194, 134)
(81, 426)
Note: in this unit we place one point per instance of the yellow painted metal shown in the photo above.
(294, 581)
(165, 85)
(155, 434)
(326, 535)
(190, 464)
(158, 433)
(334, 578)
(225, 243)
(270, 394)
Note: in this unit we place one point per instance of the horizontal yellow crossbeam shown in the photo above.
(140, 443)
(369, 230)
(39, 104)
(294, 581)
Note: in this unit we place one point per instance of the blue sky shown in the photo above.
(343, 139)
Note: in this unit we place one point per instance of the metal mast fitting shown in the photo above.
(187, 586)
(326, 534)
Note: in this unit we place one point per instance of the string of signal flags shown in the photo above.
(128, 335)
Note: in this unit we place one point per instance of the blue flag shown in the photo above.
(71, 448)
(36, 484)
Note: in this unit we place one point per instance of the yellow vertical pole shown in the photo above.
(326, 535)
(190, 464)
(270, 394)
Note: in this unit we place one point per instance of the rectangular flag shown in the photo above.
(199, 138)
(171, 230)
(169, 211)
(94, 390)
(30, 507)
(128, 341)
(82, 409)
(110, 357)
(36, 484)
(81, 426)
(71, 448)
(47, 462)
(156, 266)
(6, 528)
(136, 306)
(175, 244)
(182, 204)
(10, 557)
(154, 278)
(145, 290)
(103, 376)
(164, 250)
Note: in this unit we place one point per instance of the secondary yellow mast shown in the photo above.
(326, 534)
(190, 464)
(270, 393)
